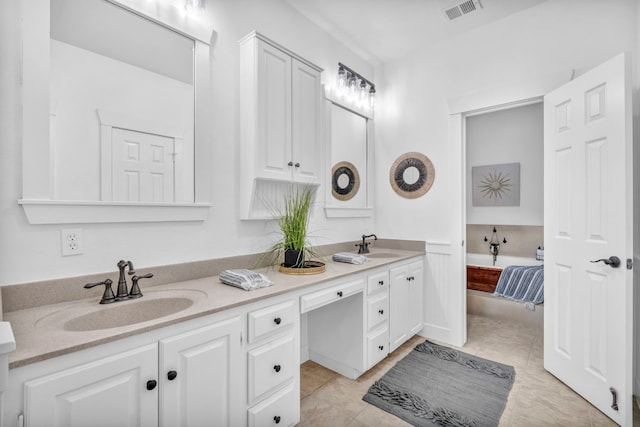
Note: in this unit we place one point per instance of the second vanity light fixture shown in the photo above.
(354, 89)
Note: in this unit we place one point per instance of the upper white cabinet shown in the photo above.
(281, 120)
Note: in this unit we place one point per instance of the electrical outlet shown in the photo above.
(71, 240)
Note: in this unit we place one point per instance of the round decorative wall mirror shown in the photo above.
(345, 181)
(412, 175)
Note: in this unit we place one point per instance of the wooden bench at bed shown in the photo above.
(482, 278)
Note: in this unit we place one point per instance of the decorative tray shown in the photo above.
(309, 267)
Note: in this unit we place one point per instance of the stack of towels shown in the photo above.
(244, 279)
(350, 258)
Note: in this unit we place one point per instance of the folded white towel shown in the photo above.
(350, 258)
(244, 279)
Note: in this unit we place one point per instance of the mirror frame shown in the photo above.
(37, 182)
(333, 210)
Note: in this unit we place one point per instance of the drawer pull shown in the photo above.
(381, 311)
(151, 384)
(276, 419)
(171, 375)
(340, 294)
(290, 164)
(277, 320)
(381, 347)
(381, 282)
(276, 368)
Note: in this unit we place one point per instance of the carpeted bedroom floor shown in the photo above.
(536, 399)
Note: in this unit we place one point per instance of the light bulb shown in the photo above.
(352, 88)
(372, 98)
(342, 82)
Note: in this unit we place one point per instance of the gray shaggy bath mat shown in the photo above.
(439, 386)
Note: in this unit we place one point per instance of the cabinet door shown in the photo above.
(274, 114)
(398, 306)
(200, 377)
(306, 118)
(416, 302)
(108, 392)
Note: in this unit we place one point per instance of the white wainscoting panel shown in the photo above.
(444, 298)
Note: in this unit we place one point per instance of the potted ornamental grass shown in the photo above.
(292, 218)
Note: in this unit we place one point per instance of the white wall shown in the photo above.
(528, 53)
(30, 253)
(513, 135)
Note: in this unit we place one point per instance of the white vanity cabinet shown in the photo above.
(281, 106)
(273, 360)
(406, 302)
(198, 375)
(106, 392)
(190, 379)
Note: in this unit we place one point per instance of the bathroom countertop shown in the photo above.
(40, 332)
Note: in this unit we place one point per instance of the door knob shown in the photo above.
(151, 384)
(172, 375)
(612, 261)
(290, 164)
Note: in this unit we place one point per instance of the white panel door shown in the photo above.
(108, 392)
(588, 202)
(306, 118)
(200, 381)
(143, 167)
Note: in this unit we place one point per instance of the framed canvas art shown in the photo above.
(496, 185)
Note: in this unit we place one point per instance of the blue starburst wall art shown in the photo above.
(496, 185)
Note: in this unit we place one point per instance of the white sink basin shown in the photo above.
(122, 315)
(382, 255)
(91, 316)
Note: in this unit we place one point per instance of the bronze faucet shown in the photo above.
(363, 248)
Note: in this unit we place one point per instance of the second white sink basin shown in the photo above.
(382, 255)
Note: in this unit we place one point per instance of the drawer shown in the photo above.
(378, 282)
(377, 310)
(282, 409)
(377, 346)
(327, 296)
(270, 319)
(270, 366)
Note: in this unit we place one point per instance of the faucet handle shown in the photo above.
(108, 297)
(135, 289)
(131, 269)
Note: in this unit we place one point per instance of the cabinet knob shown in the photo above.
(290, 164)
(381, 311)
(277, 320)
(276, 419)
(151, 384)
(276, 368)
(340, 294)
(171, 375)
(381, 347)
(297, 165)
(381, 282)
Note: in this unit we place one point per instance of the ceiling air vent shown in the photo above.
(463, 8)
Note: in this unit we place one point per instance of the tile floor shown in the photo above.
(536, 399)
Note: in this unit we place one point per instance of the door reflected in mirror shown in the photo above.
(348, 158)
(121, 106)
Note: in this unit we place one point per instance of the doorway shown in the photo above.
(503, 152)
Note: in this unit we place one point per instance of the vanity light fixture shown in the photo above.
(351, 88)
(194, 6)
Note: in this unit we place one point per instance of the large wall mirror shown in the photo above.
(350, 157)
(124, 94)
